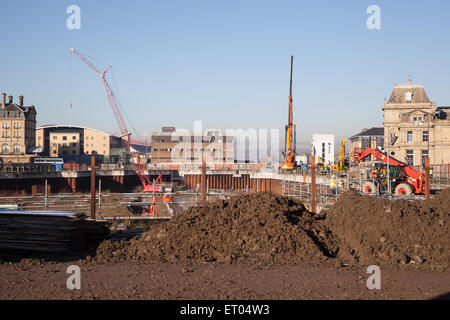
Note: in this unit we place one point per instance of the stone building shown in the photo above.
(367, 138)
(18, 125)
(415, 128)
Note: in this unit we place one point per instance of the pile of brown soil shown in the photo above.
(257, 228)
(385, 232)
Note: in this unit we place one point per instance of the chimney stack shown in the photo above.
(10, 99)
(21, 101)
(3, 99)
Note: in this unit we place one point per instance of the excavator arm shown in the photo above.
(413, 177)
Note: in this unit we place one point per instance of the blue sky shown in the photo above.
(223, 62)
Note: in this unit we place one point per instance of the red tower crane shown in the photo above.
(135, 159)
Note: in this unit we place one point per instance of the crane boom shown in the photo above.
(135, 159)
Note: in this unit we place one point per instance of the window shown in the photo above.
(410, 136)
(415, 122)
(323, 151)
(16, 148)
(74, 138)
(425, 136)
(55, 145)
(64, 144)
(54, 138)
(5, 148)
(64, 138)
(410, 157)
(73, 144)
(424, 155)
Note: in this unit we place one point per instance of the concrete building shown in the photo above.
(67, 141)
(18, 124)
(367, 138)
(323, 147)
(181, 146)
(415, 128)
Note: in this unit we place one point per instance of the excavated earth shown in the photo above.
(259, 246)
(266, 228)
(259, 228)
(392, 232)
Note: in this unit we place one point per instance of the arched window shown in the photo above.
(17, 148)
(5, 148)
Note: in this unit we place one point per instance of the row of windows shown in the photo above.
(92, 145)
(6, 148)
(64, 138)
(410, 156)
(73, 137)
(73, 144)
(410, 136)
(16, 125)
(16, 134)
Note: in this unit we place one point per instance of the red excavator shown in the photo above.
(404, 179)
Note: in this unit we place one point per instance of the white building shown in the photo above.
(323, 147)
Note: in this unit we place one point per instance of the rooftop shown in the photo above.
(408, 93)
(375, 131)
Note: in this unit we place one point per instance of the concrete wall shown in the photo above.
(324, 147)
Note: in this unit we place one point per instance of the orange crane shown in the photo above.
(135, 159)
(404, 178)
(289, 162)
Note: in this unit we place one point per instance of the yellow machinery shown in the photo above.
(342, 163)
(289, 163)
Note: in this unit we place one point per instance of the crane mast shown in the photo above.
(135, 159)
(288, 164)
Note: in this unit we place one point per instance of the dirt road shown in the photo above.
(36, 280)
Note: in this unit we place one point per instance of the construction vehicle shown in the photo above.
(290, 133)
(135, 158)
(322, 166)
(342, 163)
(404, 180)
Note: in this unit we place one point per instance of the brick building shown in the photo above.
(65, 141)
(172, 146)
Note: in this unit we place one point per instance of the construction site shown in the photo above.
(208, 230)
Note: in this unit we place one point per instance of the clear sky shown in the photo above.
(223, 62)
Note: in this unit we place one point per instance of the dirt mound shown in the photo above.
(380, 231)
(252, 228)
